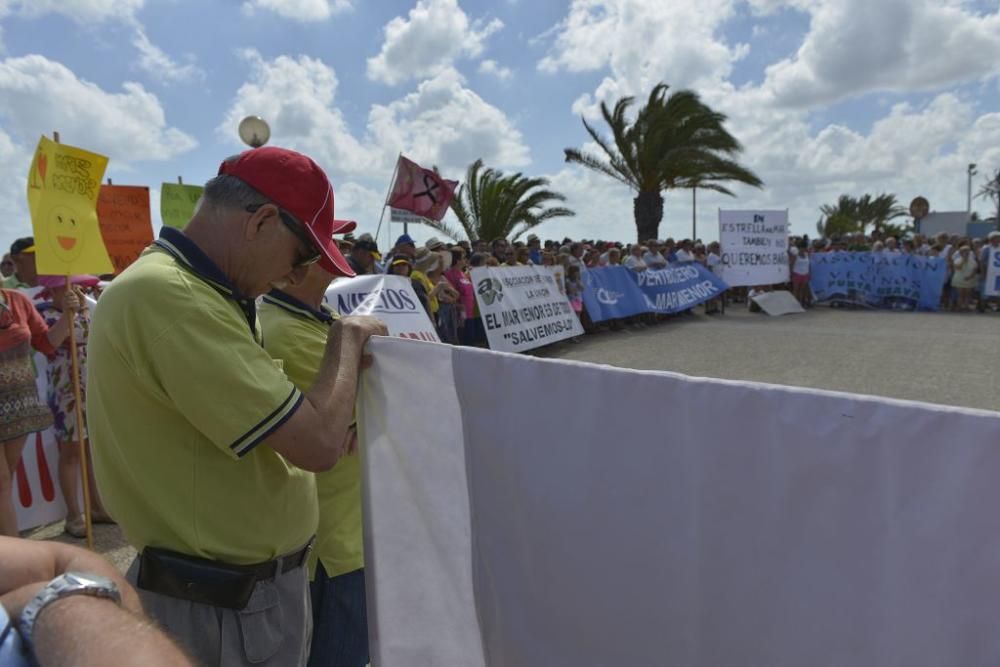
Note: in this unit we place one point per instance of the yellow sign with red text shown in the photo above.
(63, 184)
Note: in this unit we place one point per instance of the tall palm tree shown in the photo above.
(673, 142)
(491, 205)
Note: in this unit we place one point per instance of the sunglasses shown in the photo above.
(311, 256)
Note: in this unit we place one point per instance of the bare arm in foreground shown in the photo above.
(79, 629)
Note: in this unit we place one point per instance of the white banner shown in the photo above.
(754, 247)
(390, 298)
(992, 286)
(522, 307)
(522, 526)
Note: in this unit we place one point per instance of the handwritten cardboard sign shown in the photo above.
(63, 183)
(123, 213)
(177, 203)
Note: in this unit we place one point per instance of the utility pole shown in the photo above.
(972, 172)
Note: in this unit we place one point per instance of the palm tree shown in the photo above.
(879, 211)
(491, 205)
(991, 190)
(850, 215)
(674, 142)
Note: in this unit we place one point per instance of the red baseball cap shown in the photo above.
(298, 185)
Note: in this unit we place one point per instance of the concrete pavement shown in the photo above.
(947, 358)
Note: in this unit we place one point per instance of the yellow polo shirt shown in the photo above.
(296, 334)
(181, 397)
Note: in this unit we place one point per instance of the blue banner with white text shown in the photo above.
(878, 279)
(678, 288)
(611, 293)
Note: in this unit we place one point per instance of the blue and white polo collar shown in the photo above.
(324, 315)
(187, 252)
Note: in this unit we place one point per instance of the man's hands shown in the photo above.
(356, 330)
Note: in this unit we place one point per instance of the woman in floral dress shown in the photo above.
(62, 403)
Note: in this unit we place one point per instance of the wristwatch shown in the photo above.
(70, 583)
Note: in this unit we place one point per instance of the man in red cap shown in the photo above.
(204, 450)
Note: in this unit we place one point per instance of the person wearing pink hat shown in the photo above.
(204, 449)
(62, 401)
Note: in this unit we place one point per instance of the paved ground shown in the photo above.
(935, 357)
(939, 358)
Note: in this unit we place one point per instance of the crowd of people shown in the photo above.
(440, 271)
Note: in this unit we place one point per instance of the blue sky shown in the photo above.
(828, 96)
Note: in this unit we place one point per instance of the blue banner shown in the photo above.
(679, 288)
(610, 293)
(878, 279)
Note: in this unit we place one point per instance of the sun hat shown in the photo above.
(296, 183)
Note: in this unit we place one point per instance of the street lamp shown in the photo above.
(254, 131)
(972, 172)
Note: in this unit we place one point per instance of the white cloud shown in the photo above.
(442, 122)
(14, 162)
(158, 64)
(643, 42)
(494, 68)
(429, 40)
(445, 123)
(299, 10)
(42, 95)
(151, 58)
(296, 95)
(82, 11)
(858, 46)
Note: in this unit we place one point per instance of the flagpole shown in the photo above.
(388, 193)
(81, 442)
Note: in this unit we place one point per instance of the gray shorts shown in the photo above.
(275, 628)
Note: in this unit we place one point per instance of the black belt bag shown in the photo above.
(207, 581)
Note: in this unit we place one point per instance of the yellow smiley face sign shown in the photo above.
(63, 184)
(64, 234)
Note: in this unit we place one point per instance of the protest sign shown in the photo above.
(611, 293)
(123, 214)
(522, 308)
(754, 247)
(778, 303)
(678, 288)
(878, 278)
(63, 182)
(992, 286)
(177, 203)
(390, 298)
